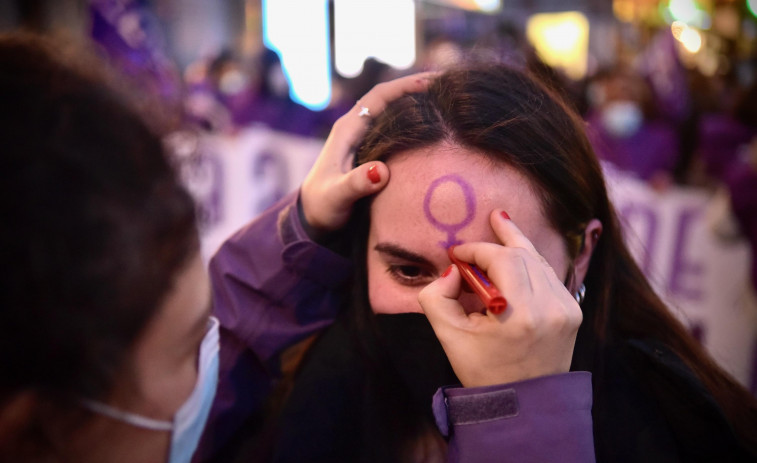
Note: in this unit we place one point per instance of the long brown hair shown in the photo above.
(513, 119)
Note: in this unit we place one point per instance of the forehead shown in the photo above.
(445, 193)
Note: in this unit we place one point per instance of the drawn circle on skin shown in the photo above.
(451, 229)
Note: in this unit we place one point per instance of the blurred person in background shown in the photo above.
(727, 156)
(108, 350)
(228, 92)
(727, 121)
(129, 36)
(625, 128)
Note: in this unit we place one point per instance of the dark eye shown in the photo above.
(410, 275)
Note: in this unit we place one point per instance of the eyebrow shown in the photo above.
(395, 250)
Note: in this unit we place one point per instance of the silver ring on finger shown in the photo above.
(363, 111)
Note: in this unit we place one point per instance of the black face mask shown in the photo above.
(415, 354)
(365, 394)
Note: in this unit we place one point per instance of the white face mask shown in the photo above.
(622, 118)
(189, 421)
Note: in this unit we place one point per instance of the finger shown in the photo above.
(349, 129)
(361, 181)
(494, 259)
(509, 233)
(439, 299)
(380, 95)
(511, 236)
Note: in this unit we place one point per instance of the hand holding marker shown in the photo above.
(480, 284)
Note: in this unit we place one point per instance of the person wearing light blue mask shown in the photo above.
(109, 352)
(189, 421)
(627, 129)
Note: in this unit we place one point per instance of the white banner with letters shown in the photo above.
(235, 177)
(688, 245)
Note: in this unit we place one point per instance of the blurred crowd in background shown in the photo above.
(657, 109)
(670, 100)
(666, 111)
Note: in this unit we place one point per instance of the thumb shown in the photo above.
(439, 299)
(361, 181)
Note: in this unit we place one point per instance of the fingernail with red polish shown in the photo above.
(447, 272)
(505, 215)
(373, 174)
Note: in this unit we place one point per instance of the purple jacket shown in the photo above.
(652, 149)
(273, 286)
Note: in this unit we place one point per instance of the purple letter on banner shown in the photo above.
(681, 268)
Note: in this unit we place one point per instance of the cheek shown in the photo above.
(557, 257)
(387, 296)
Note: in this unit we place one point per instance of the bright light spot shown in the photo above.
(752, 6)
(380, 29)
(298, 31)
(676, 28)
(689, 12)
(562, 40)
(690, 38)
(488, 5)
(485, 6)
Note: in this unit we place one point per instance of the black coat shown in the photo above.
(649, 407)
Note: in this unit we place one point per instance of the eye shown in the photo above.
(410, 275)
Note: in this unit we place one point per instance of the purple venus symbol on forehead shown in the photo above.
(451, 229)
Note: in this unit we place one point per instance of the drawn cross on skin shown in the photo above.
(451, 229)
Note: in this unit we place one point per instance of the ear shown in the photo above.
(581, 263)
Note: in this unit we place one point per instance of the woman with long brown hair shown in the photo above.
(487, 160)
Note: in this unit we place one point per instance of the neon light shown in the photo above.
(298, 31)
(380, 29)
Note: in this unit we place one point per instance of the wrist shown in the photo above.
(327, 238)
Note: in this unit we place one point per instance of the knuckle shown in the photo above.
(528, 324)
(381, 86)
(341, 125)
(511, 255)
(521, 253)
(576, 317)
(559, 319)
(424, 295)
(341, 121)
